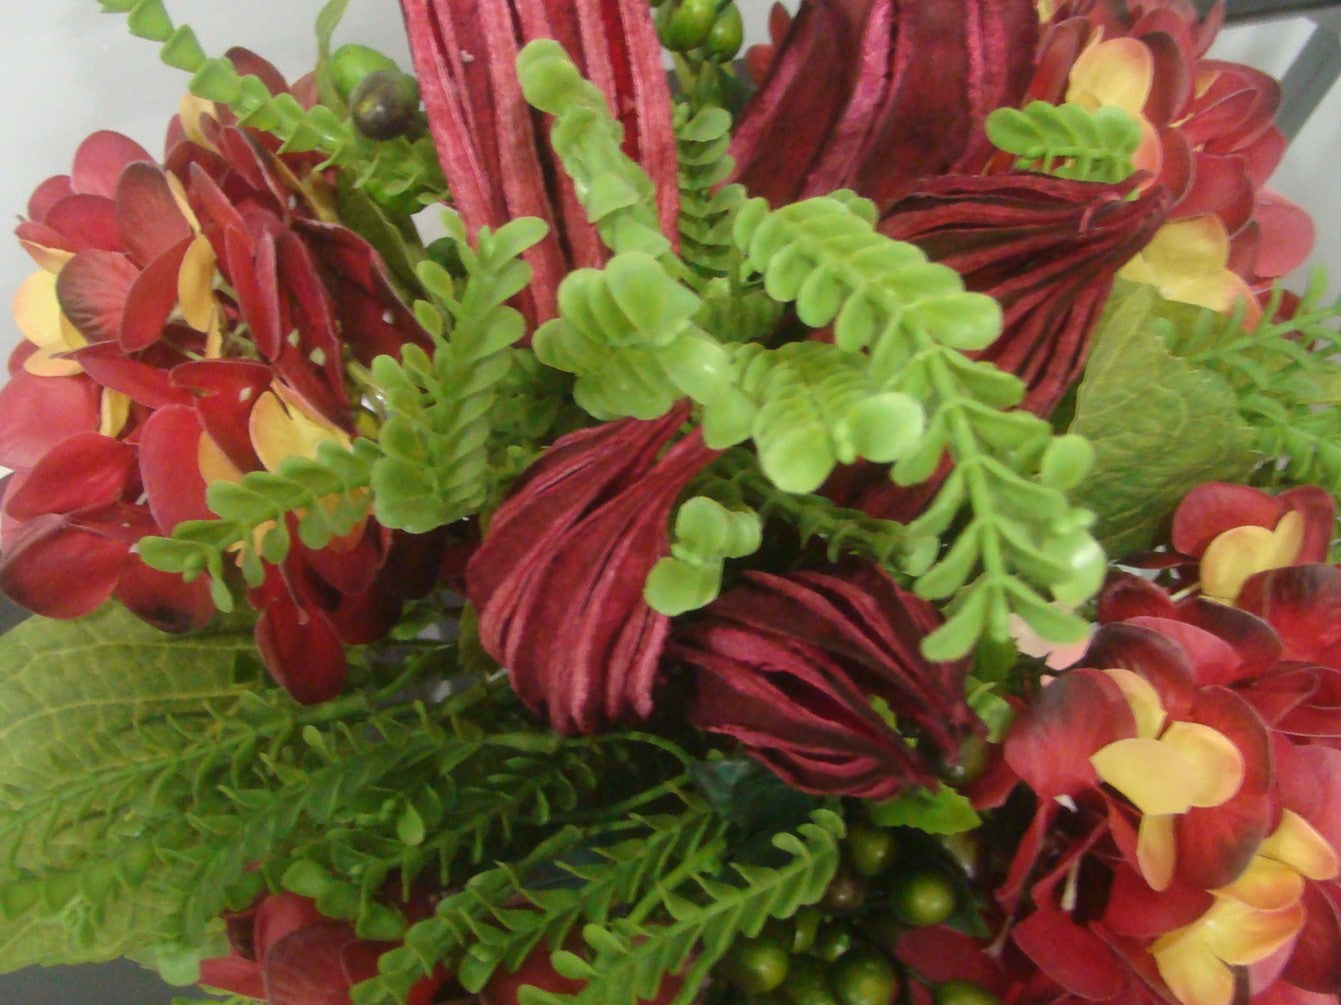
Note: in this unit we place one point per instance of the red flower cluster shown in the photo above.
(286, 952)
(191, 322)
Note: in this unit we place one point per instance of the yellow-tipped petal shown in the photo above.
(1217, 765)
(194, 112)
(195, 284)
(1156, 853)
(1191, 971)
(182, 200)
(1242, 935)
(215, 465)
(48, 259)
(1265, 885)
(1118, 72)
(214, 337)
(282, 429)
(37, 312)
(1151, 773)
(1143, 699)
(1240, 552)
(1298, 845)
(48, 363)
(115, 408)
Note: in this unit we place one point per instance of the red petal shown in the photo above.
(1315, 964)
(170, 467)
(300, 647)
(1049, 747)
(1130, 596)
(280, 915)
(146, 385)
(1302, 603)
(1214, 660)
(233, 975)
(306, 966)
(58, 570)
(163, 599)
(1153, 655)
(1215, 507)
(1072, 956)
(228, 389)
(47, 194)
(1136, 911)
(249, 63)
(1287, 234)
(92, 290)
(1216, 844)
(87, 471)
(86, 222)
(148, 218)
(151, 300)
(38, 413)
(100, 159)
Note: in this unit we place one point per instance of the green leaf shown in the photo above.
(1159, 425)
(944, 811)
(87, 713)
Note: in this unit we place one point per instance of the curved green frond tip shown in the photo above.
(1068, 140)
(706, 534)
(628, 334)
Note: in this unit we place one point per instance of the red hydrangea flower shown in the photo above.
(558, 580)
(805, 670)
(1047, 249)
(145, 378)
(1210, 140)
(498, 161)
(1232, 532)
(910, 107)
(285, 952)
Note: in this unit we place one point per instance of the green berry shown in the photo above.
(805, 926)
(832, 943)
(870, 849)
(351, 63)
(727, 35)
(923, 898)
(807, 983)
(864, 977)
(689, 25)
(384, 104)
(756, 966)
(963, 993)
(974, 754)
(845, 893)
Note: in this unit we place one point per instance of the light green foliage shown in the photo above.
(911, 321)
(328, 491)
(618, 196)
(627, 331)
(706, 534)
(1154, 440)
(1068, 140)
(707, 207)
(435, 439)
(1284, 375)
(399, 173)
(706, 912)
(104, 724)
(944, 811)
(809, 406)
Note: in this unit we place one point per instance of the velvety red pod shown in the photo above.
(911, 106)
(1047, 249)
(793, 668)
(558, 580)
(498, 161)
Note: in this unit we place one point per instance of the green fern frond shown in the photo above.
(436, 440)
(707, 207)
(705, 913)
(330, 492)
(1068, 140)
(397, 172)
(911, 322)
(627, 332)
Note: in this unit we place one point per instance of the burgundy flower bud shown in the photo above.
(911, 105)
(558, 580)
(805, 670)
(1046, 248)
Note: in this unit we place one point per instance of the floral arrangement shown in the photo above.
(844, 526)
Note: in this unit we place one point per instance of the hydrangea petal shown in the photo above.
(1296, 844)
(1156, 851)
(1215, 763)
(1154, 775)
(1265, 885)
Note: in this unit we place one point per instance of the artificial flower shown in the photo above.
(810, 671)
(558, 579)
(499, 163)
